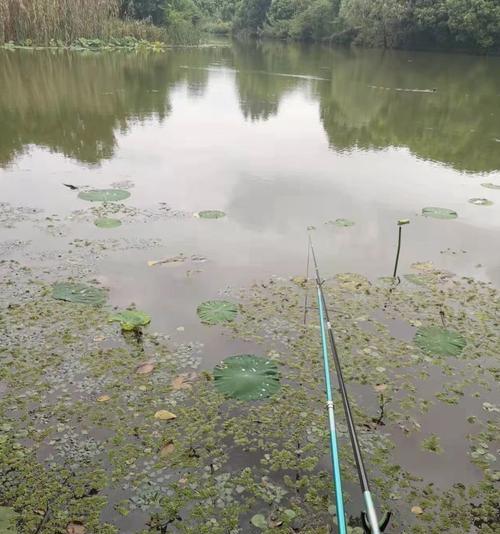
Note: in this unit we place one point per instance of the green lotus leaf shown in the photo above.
(211, 214)
(490, 185)
(79, 293)
(130, 319)
(7, 520)
(104, 195)
(439, 213)
(343, 223)
(480, 202)
(437, 341)
(259, 521)
(416, 279)
(217, 311)
(247, 377)
(107, 222)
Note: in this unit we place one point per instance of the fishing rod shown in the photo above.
(369, 518)
(342, 528)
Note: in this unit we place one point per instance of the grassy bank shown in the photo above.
(75, 23)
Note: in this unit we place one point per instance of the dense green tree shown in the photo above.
(152, 10)
(378, 22)
(251, 15)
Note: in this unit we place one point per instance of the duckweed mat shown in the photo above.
(116, 432)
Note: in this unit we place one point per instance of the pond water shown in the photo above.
(282, 139)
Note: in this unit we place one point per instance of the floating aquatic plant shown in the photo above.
(344, 223)
(341, 223)
(130, 319)
(104, 195)
(490, 185)
(439, 213)
(7, 520)
(79, 293)
(247, 377)
(107, 222)
(217, 311)
(259, 521)
(480, 202)
(439, 341)
(211, 214)
(432, 444)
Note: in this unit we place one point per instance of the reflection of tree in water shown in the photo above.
(361, 106)
(260, 89)
(73, 103)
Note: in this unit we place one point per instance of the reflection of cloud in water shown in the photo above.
(281, 204)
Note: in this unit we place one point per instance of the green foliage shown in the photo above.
(251, 15)
(378, 22)
(247, 377)
(7, 520)
(437, 341)
(211, 214)
(79, 293)
(439, 213)
(107, 222)
(130, 319)
(182, 19)
(151, 10)
(104, 195)
(468, 24)
(217, 311)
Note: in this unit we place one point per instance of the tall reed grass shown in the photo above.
(39, 21)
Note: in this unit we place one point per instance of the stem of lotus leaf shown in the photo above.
(394, 274)
(381, 406)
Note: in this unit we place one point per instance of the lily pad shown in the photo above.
(439, 213)
(342, 223)
(415, 279)
(7, 520)
(107, 222)
(130, 319)
(211, 214)
(480, 202)
(104, 195)
(438, 341)
(490, 185)
(217, 311)
(79, 293)
(259, 521)
(247, 377)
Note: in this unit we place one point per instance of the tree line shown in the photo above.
(443, 24)
(423, 24)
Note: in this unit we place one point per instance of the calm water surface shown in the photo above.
(281, 138)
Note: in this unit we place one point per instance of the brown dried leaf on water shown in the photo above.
(164, 415)
(103, 398)
(380, 388)
(75, 527)
(174, 259)
(145, 368)
(184, 381)
(417, 510)
(167, 449)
